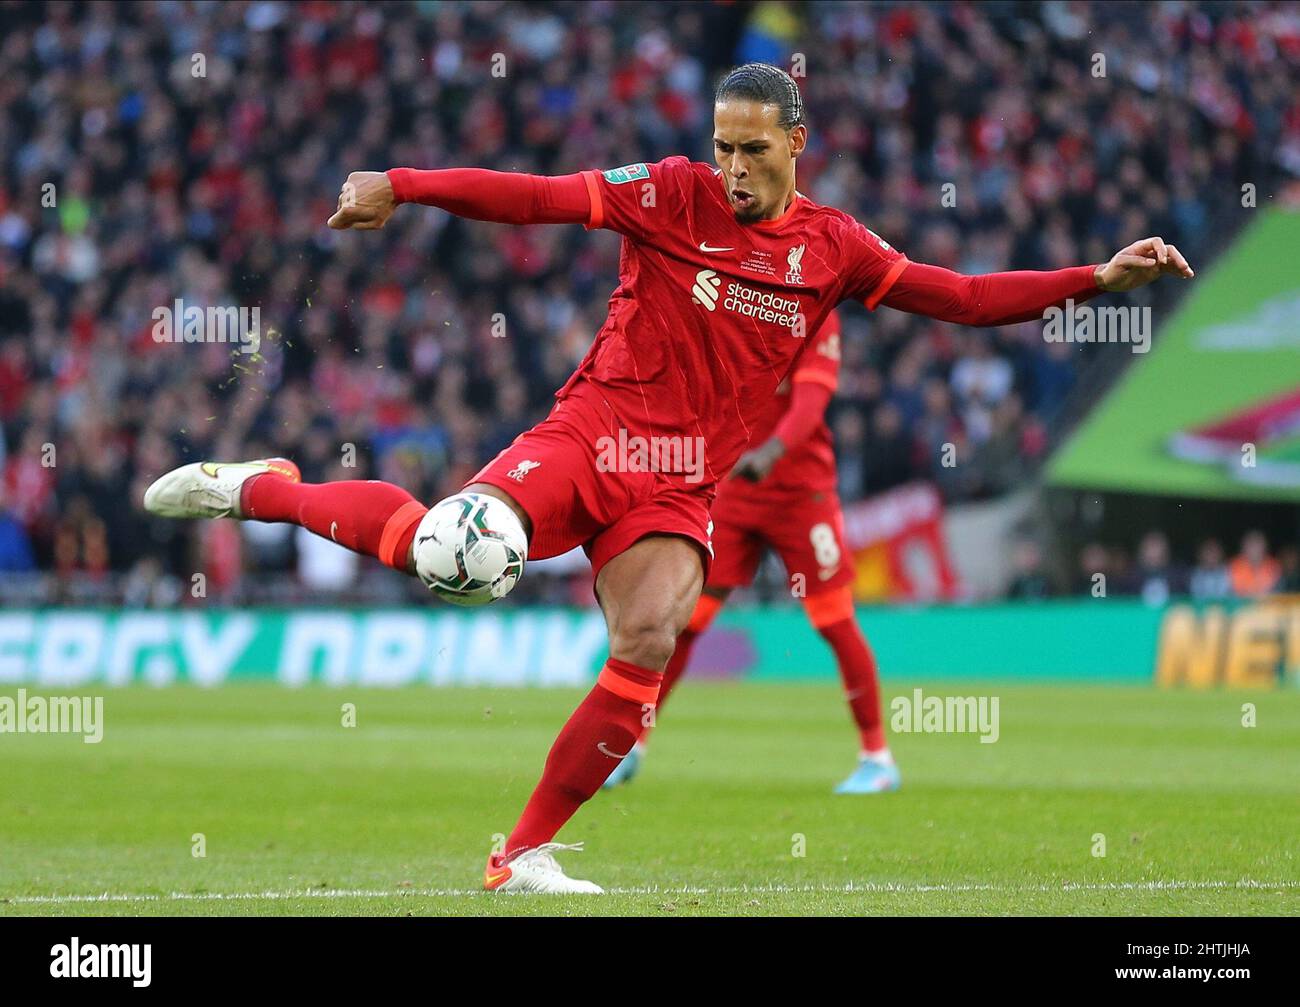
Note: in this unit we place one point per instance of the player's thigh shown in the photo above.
(647, 593)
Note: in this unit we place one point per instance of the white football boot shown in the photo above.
(535, 871)
(210, 489)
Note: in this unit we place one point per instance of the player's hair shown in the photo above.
(767, 84)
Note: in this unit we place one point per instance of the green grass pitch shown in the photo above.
(301, 815)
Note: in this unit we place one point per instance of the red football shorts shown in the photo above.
(553, 472)
(806, 531)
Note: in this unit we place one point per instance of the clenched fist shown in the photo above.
(365, 202)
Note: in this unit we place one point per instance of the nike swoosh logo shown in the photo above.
(334, 527)
(706, 247)
(613, 755)
(492, 879)
(210, 468)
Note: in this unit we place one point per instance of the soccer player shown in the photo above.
(725, 271)
(782, 495)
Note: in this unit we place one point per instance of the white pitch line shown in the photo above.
(865, 888)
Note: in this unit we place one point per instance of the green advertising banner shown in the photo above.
(1243, 644)
(1214, 409)
(382, 647)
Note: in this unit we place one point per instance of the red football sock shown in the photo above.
(861, 685)
(370, 517)
(594, 740)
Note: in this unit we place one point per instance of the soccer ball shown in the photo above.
(470, 549)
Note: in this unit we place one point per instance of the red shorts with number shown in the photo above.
(551, 471)
(806, 531)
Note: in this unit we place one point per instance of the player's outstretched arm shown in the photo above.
(1023, 295)
(368, 198)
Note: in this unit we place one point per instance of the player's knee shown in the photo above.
(829, 608)
(643, 642)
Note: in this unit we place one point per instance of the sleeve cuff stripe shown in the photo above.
(817, 377)
(597, 216)
(887, 283)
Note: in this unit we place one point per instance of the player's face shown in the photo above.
(756, 157)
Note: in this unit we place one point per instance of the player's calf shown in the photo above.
(367, 516)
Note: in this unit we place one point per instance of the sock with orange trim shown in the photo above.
(861, 683)
(370, 517)
(594, 740)
(832, 615)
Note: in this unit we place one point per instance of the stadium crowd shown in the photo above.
(150, 152)
(1155, 575)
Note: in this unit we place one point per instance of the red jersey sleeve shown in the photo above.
(870, 265)
(820, 361)
(638, 200)
(813, 382)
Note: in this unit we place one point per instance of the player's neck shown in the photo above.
(783, 207)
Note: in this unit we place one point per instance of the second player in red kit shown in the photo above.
(782, 496)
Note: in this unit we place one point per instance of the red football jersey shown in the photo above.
(710, 314)
(810, 465)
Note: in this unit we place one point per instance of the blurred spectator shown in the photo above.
(1094, 571)
(1029, 582)
(1156, 578)
(323, 565)
(1210, 580)
(850, 453)
(887, 458)
(15, 551)
(1001, 459)
(1254, 572)
(1289, 558)
(147, 586)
